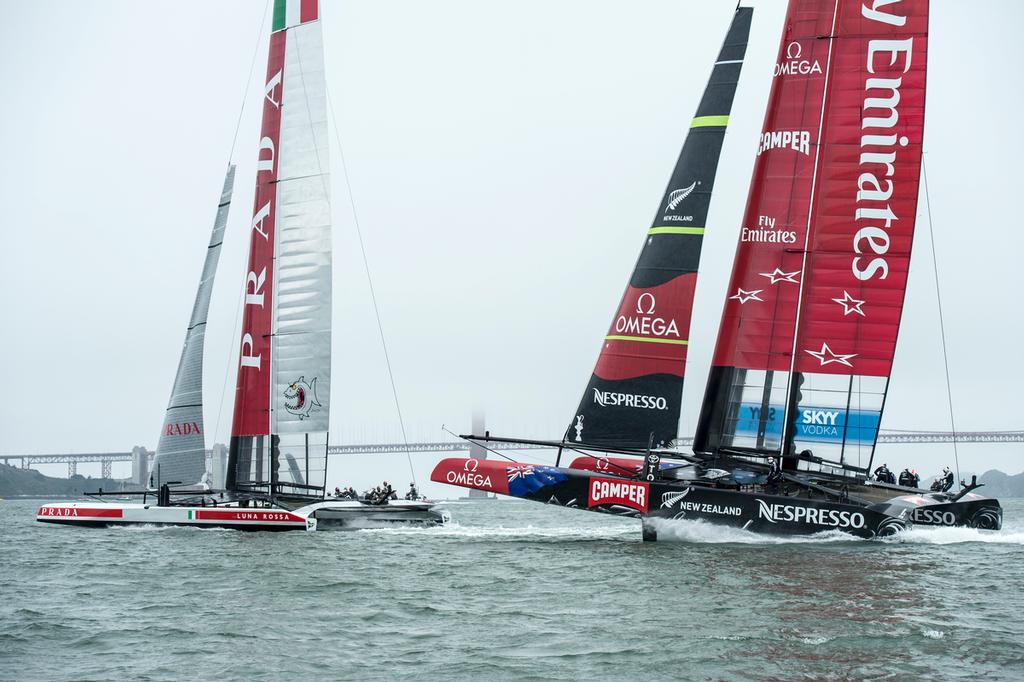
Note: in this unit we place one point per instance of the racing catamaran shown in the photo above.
(277, 464)
(790, 418)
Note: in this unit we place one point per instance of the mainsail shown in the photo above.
(282, 400)
(809, 327)
(181, 450)
(635, 390)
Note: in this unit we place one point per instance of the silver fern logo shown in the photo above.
(676, 196)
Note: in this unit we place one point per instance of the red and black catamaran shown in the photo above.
(805, 348)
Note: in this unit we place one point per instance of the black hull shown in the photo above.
(800, 511)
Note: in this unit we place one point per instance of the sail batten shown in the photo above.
(181, 448)
(635, 390)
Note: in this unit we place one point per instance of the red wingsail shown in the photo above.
(809, 328)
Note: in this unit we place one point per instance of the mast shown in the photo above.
(827, 230)
(282, 400)
(634, 395)
(181, 449)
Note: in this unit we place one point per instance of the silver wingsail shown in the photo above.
(181, 451)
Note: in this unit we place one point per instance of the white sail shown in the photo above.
(301, 346)
(181, 450)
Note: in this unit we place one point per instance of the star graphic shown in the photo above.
(780, 276)
(744, 296)
(826, 357)
(850, 304)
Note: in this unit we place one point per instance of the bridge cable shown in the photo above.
(942, 326)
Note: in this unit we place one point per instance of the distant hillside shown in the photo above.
(998, 484)
(15, 482)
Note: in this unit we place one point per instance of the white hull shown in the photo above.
(329, 514)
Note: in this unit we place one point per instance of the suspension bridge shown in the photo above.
(141, 458)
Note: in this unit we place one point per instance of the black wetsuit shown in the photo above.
(947, 482)
(906, 479)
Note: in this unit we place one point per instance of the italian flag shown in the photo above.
(289, 13)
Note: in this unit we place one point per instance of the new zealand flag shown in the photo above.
(524, 479)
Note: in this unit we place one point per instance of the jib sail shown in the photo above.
(636, 387)
(809, 329)
(282, 401)
(181, 450)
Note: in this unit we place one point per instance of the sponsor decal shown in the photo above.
(821, 423)
(632, 494)
(468, 477)
(300, 397)
(182, 429)
(645, 322)
(244, 515)
(933, 517)
(879, 142)
(73, 512)
(817, 424)
(794, 64)
(612, 399)
(706, 508)
(826, 518)
(797, 140)
(765, 233)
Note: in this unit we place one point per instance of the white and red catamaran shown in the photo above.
(790, 418)
(277, 464)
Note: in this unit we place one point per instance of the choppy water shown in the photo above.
(508, 591)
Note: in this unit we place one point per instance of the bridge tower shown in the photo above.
(477, 451)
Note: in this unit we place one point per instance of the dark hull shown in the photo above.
(800, 511)
(370, 516)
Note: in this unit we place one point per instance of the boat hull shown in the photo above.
(329, 515)
(751, 509)
(102, 514)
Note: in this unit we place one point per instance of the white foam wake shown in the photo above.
(682, 530)
(950, 536)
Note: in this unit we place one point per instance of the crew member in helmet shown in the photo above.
(915, 478)
(947, 479)
(906, 478)
(884, 475)
(413, 494)
(774, 472)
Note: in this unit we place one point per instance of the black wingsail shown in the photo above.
(636, 387)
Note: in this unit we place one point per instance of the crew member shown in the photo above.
(947, 479)
(915, 478)
(906, 478)
(883, 475)
(389, 492)
(413, 494)
(774, 471)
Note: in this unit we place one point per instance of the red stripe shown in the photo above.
(252, 396)
(77, 512)
(309, 10)
(245, 515)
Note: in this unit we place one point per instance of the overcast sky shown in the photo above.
(505, 159)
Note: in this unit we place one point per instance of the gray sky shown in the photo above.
(505, 160)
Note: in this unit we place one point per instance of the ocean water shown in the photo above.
(509, 590)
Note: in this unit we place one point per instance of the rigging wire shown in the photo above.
(231, 155)
(942, 326)
(369, 281)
